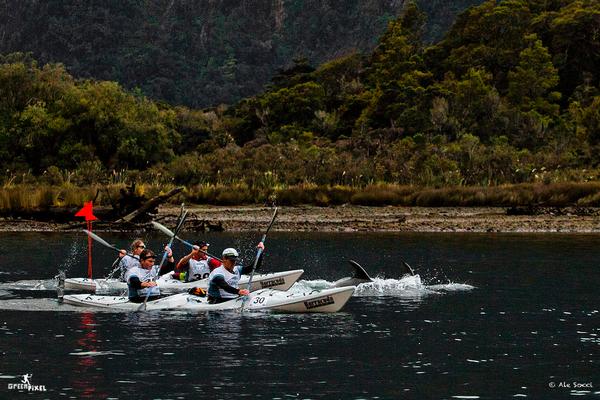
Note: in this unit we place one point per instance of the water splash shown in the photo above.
(452, 287)
(407, 286)
(78, 248)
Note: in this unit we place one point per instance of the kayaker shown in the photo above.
(196, 265)
(139, 279)
(133, 260)
(223, 282)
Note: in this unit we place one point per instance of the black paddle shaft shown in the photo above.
(259, 252)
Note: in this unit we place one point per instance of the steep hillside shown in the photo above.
(200, 53)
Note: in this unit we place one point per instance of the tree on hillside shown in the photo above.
(530, 84)
(396, 82)
(49, 119)
(574, 42)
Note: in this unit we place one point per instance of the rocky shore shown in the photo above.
(351, 219)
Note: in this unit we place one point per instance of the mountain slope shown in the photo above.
(199, 53)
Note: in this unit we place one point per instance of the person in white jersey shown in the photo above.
(196, 265)
(132, 259)
(223, 282)
(140, 279)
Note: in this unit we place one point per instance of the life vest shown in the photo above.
(231, 278)
(199, 269)
(143, 275)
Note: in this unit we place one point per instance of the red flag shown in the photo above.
(87, 212)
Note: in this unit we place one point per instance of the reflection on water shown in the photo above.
(89, 380)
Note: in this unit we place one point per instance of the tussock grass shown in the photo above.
(309, 193)
(384, 194)
(225, 195)
(27, 197)
(563, 194)
(551, 195)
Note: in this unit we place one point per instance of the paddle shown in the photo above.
(115, 267)
(105, 243)
(259, 252)
(407, 269)
(164, 258)
(100, 240)
(168, 232)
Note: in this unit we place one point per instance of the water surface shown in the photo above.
(493, 316)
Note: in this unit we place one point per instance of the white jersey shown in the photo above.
(231, 278)
(143, 275)
(199, 269)
(127, 263)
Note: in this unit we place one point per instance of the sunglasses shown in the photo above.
(141, 247)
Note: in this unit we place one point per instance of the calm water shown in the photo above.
(496, 317)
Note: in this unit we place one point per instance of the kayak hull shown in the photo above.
(83, 284)
(317, 301)
(122, 302)
(274, 280)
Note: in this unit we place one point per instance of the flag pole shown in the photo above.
(89, 226)
(88, 214)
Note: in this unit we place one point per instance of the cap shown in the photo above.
(230, 253)
(201, 244)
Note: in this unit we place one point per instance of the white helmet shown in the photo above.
(230, 253)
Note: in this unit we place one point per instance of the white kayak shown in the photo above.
(123, 303)
(273, 280)
(316, 301)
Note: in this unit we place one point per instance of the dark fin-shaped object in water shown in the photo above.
(359, 276)
(359, 272)
(407, 270)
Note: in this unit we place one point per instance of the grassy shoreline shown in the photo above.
(565, 207)
(40, 197)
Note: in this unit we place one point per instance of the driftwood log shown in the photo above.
(149, 205)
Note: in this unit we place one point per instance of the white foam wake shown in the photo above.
(451, 287)
(407, 286)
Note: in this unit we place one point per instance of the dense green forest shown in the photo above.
(510, 95)
(200, 53)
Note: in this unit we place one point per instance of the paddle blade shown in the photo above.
(272, 221)
(359, 271)
(162, 228)
(407, 269)
(100, 240)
